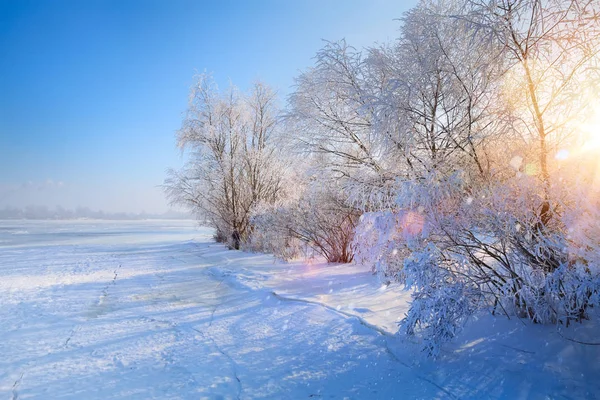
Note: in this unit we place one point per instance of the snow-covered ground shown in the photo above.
(155, 309)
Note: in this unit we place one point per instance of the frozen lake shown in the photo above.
(29, 233)
(106, 310)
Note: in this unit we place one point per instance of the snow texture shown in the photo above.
(146, 309)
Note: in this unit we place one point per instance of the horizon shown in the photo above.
(61, 213)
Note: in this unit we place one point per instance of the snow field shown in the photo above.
(166, 313)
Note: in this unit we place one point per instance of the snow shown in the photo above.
(155, 309)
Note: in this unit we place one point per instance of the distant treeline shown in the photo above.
(43, 212)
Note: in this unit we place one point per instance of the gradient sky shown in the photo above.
(92, 92)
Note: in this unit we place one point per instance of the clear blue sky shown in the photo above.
(91, 92)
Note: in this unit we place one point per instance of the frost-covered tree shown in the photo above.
(334, 114)
(552, 49)
(438, 112)
(234, 163)
(481, 213)
(331, 112)
(331, 117)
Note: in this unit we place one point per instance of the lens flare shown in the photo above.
(412, 223)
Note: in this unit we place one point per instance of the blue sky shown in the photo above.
(91, 92)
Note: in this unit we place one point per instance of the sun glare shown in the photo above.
(590, 132)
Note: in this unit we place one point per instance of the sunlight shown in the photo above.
(590, 132)
(587, 141)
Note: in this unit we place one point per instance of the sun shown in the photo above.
(590, 133)
(586, 143)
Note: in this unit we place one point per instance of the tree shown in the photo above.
(331, 115)
(332, 112)
(438, 114)
(438, 107)
(472, 86)
(552, 48)
(234, 164)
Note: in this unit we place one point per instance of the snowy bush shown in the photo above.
(318, 223)
(489, 251)
(271, 233)
(442, 302)
(382, 241)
